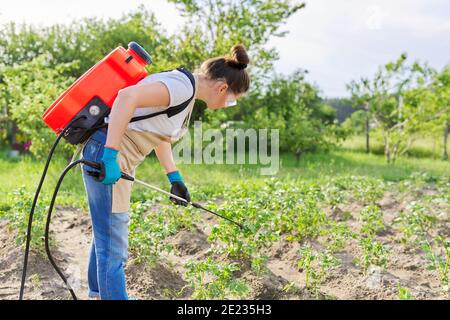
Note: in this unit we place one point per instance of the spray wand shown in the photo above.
(99, 175)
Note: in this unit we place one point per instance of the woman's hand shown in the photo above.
(178, 188)
(110, 166)
(164, 153)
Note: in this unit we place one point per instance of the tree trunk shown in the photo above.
(387, 150)
(395, 152)
(366, 108)
(445, 154)
(297, 157)
(367, 135)
(13, 133)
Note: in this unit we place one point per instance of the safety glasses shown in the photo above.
(231, 100)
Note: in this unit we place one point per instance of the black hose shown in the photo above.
(30, 218)
(33, 206)
(47, 226)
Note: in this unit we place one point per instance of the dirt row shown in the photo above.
(165, 280)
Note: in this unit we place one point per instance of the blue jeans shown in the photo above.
(109, 248)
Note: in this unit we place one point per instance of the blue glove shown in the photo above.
(178, 188)
(110, 165)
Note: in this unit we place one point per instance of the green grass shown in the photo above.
(26, 171)
(422, 147)
(358, 163)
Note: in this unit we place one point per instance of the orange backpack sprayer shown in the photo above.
(93, 94)
(81, 110)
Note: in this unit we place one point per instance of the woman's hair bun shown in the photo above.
(238, 57)
(230, 67)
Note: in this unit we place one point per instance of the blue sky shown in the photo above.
(337, 41)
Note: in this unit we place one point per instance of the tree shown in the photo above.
(360, 97)
(432, 96)
(213, 27)
(32, 86)
(384, 97)
(293, 106)
(356, 123)
(223, 23)
(441, 88)
(343, 107)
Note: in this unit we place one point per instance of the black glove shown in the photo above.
(179, 189)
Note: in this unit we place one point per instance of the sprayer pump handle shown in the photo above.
(100, 175)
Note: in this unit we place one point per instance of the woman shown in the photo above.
(219, 83)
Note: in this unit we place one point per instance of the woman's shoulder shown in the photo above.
(174, 74)
(178, 84)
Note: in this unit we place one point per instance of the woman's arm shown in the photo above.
(137, 96)
(164, 153)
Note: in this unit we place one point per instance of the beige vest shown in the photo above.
(135, 146)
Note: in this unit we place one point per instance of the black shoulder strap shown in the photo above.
(171, 111)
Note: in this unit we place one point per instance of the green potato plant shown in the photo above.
(316, 266)
(373, 253)
(210, 279)
(371, 220)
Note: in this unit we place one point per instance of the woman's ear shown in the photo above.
(222, 87)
